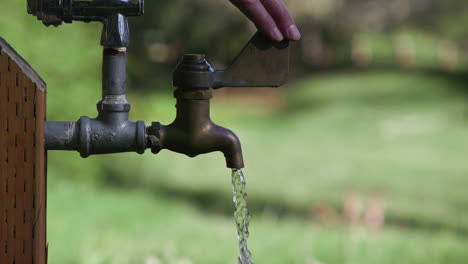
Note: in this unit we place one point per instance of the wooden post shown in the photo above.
(22, 161)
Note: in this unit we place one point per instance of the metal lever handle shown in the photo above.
(261, 63)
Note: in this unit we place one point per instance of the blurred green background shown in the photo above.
(360, 159)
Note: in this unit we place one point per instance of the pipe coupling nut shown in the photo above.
(154, 135)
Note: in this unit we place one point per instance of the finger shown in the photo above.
(257, 13)
(282, 18)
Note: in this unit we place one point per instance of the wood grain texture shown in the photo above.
(22, 161)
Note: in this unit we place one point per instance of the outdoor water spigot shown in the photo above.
(262, 63)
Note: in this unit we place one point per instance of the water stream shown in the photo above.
(241, 215)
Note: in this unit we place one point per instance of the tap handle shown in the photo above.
(261, 63)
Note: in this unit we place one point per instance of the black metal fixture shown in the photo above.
(261, 63)
(54, 12)
(112, 13)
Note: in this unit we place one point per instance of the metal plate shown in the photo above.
(22, 161)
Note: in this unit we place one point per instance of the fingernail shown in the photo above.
(276, 34)
(293, 33)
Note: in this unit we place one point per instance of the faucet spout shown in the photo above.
(193, 133)
(231, 148)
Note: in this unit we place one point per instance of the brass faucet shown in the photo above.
(193, 133)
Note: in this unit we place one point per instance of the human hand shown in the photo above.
(271, 17)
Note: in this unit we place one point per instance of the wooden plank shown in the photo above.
(3, 166)
(40, 190)
(21, 235)
(22, 161)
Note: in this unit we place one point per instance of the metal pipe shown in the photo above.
(114, 108)
(100, 137)
(61, 135)
(55, 12)
(102, 8)
(111, 131)
(114, 71)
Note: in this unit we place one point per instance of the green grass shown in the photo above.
(400, 136)
(100, 226)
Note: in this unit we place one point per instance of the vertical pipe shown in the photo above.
(114, 71)
(114, 107)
